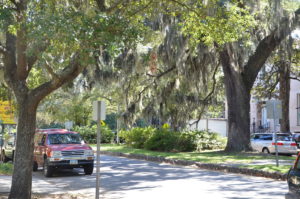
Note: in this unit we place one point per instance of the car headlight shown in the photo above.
(88, 152)
(55, 153)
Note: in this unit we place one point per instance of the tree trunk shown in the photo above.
(22, 175)
(238, 102)
(285, 95)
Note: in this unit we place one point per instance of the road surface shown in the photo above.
(123, 178)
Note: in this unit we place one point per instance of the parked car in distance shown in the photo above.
(60, 148)
(293, 179)
(7, 147)
(265, 142)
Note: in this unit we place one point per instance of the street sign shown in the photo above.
(6, 113)
(99, 109)
(69, 125)
(274, 109)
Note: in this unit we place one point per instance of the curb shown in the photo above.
(208, 166)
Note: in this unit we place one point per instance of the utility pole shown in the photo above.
(99, 109)
(275, 134)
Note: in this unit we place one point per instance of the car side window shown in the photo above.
(267, 138)
(256, 137)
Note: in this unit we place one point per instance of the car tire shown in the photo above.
(266, 150)
(48, 170)
(88, 169)
(35, 166)
(3, 158)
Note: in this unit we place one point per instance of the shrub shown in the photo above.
(162, 140)
(6, 168)
(89, 133)
(187, 141)
(209, 140)
(166, 140)
(136, 137)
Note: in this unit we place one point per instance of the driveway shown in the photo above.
(134, 179)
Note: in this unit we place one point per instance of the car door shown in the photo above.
(265, 142)
(41, 148)
(254, 141)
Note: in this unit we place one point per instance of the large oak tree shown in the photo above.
(45, 44)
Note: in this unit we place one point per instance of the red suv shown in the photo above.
(60, 148)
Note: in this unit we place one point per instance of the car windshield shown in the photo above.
(284, 138)
(66, 138)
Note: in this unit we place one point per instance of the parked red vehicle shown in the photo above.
(60, 148)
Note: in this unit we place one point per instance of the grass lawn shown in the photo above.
(6, 168)
(217, 157)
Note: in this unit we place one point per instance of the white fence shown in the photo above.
(215, 125)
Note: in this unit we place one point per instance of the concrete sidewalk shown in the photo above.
(65, 184)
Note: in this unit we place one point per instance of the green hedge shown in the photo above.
(136, 137)
(162, 140)
(6, 168)
(166, 140)
(89, 134)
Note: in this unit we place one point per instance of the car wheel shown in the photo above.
(3, 158)
(266, 150)
(35, 166)
(48, 170)
(88, 169)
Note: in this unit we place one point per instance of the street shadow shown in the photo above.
(122, 174)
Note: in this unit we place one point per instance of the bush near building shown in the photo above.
(89, 133)
(167, 140)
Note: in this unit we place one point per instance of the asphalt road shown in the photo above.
(133, 179)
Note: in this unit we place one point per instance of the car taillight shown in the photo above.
(293, 144)
(278, 143)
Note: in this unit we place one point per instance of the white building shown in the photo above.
(258, 113)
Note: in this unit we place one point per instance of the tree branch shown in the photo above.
(266, 47)
(214, 84)
(21, 42)
(101, 5)
(14, 2)
(114, 7)
(10, 66)
(68, 74)
(31, 60)
(187, 7)
(295, 78)
(51, 72)
(162, 73)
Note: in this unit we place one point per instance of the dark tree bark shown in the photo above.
(284, 75)
(239, 80)
(23, 159)
(238, 101)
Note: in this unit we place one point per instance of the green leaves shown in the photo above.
(222, 25)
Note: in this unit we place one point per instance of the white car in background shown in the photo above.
(265, 142)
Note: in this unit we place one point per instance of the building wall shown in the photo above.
(214, 125)
(259, 116)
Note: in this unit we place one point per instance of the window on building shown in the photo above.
(298, 109)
